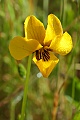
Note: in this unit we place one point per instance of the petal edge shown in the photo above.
(20, 47)
(54, 28)
(62, 44)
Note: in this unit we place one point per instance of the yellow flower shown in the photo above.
(43, 43)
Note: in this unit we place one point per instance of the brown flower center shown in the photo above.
(43, 54)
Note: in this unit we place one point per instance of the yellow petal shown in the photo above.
(54, 28)
(34, 29)
(20, 47)
(46, 67)
(62, 44)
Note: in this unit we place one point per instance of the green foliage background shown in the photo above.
(41, 90)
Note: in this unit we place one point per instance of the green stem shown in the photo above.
(26, 89)
(73, 89)
(62, 12)
(12, 110)
(45, 9)
(73, 83)
(57, 74)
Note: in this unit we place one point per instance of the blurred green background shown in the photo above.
(41, 90)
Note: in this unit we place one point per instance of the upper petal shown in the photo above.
(20, 47)
(46, 67)
(54, 28)
(62, 44)
(34, 29)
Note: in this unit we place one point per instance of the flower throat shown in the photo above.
(43, 54)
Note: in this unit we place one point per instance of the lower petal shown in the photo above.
(46, 67)
(62, 44)
(21, 47)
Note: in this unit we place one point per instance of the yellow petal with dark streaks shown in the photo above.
(34, 29)
(46, 67)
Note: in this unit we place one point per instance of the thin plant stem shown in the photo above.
(73, 83)
(31, 6)
(73, 89)
(45, 8)
(62, 11)
(12, 111)
(23, 110)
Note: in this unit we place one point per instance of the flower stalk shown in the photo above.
(26, 89)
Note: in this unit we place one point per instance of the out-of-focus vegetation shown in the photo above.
(65, 77)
